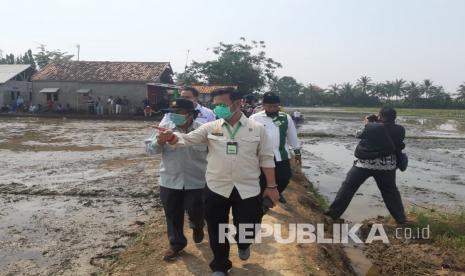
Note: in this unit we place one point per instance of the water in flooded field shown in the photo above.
(71, 190)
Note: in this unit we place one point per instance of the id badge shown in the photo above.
(231, 148)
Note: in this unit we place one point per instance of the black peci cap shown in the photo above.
(270, 98)
(179, 103)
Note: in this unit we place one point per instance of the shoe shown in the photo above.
(244, 254)
(328, 214)
(282, 199)
(197, 235)
(333, 219)
(170, 255)
(218, 273)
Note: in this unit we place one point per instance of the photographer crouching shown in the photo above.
(378, 155)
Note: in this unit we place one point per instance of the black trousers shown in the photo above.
(386, 181)
(283, 175)
(217, 212)
(175, 203)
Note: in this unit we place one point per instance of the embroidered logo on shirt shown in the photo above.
(217, 132)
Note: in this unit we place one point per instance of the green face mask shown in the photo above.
(178, 119)
(223, 111)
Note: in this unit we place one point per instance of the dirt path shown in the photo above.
(144, 257)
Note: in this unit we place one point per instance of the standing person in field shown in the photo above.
(99, 106)
(118, 105)
(125, 103)
(281, 129)
(90, 105)
(182, 178)
(19, 103)
(192, 94)
(237, 148)
(377, 153)
(50, 105)
(110, 105)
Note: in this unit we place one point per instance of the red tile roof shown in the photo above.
(103, 71)
(207, 89)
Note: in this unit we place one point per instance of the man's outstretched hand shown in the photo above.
(165, 135)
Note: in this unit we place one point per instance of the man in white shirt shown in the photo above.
(205, 114)
(237, 149)
(281, 129)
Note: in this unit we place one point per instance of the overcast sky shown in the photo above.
(320, 42)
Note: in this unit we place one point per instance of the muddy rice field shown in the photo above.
(74, 192)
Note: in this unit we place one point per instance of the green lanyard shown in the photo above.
(232, 134)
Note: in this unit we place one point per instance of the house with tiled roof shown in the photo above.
(73, 83)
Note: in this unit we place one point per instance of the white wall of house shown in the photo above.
(135, 92)
(11, 89)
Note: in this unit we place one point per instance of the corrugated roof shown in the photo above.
(102, 71)
(207, 89)
(49, 90)
(9, 71)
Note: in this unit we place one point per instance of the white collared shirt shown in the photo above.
(241, 170)
(273, 131)
(205, 115)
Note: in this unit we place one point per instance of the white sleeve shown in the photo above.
(151, 145)
(292, 138)
(210, 114)
(166, 119)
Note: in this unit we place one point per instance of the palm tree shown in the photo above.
(377, 90)
(364, 83)
(388, 89)
(412, 92)
(346, 92)
(333, 89)
(461, 92)
(398, 87)
(427, 87)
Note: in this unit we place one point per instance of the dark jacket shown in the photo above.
(375, 143)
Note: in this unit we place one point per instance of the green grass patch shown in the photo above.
(320, 200)
(447, 230)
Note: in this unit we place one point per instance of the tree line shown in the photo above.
(399, 93)
(37, 60)
(246, 65)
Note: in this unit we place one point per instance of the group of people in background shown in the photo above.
(19, 105)
(112, 106)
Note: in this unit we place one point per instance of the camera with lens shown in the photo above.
(372, 118)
